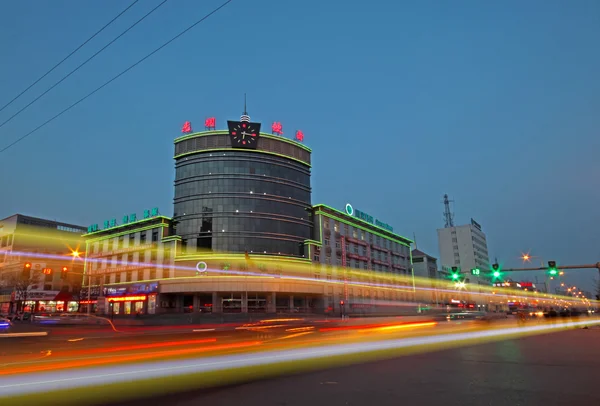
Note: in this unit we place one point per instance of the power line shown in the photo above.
(68, 56)
(82, 64)
(115, 77)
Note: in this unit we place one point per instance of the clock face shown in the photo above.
(244, 134)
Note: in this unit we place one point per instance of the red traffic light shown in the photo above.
(65, 269)
(342, 302)
(27, 264)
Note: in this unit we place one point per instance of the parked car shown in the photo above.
(5, 325)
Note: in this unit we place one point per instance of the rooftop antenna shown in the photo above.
(448, 215)
(245, 117)
(415, 240)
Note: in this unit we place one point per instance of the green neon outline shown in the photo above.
(314, 242)
(113, 235)
(233, 257)
(226, 132)
(127, 225)
(171, 238)
(201, 151)
(404, 241)
(351, 208)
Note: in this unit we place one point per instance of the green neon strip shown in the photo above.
(171, 238)
(405, 242)
(339, 212)
(201, 151)
(113, 235)
(315, 242)
(127, 225)
(226, 132)
(261, 257)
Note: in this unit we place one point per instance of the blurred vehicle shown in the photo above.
(5, 325)
(67, 319)
(476, 316)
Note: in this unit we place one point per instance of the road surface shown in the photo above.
(550, 369)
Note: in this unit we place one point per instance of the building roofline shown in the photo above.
(61, 223)
(122, 227)
(364, 224)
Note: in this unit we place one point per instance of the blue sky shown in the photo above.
(495, 103)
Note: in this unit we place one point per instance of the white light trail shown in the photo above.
(72, 379)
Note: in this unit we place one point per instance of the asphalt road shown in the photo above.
(551, 369)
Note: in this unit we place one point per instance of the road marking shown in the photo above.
(35, 334)
(199, 330)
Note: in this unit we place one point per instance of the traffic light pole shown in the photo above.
(543, 268)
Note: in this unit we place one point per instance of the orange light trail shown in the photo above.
(402, 326)
(124, 358)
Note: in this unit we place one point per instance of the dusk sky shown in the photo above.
(494, 102)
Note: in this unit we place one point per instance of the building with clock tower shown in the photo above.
(245, 237)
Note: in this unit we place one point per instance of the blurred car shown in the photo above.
(475, 316)
(67, 319)
(5, 325)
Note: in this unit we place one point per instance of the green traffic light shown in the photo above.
(496, 274)
(454, 276)
(553, 272)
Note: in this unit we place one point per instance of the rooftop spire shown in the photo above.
(245, 116)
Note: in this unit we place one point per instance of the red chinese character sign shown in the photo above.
(277, 128)
(299, 136)
(210, 123)
(187, 127)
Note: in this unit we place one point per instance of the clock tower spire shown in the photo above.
(245, 117)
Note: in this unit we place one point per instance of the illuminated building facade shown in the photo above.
(125, 261)
(244, 236)
(48, 246)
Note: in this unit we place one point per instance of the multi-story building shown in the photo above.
(465, 247)
(244, 237)
(125, 261)
(48, 246)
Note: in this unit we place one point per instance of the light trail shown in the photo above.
(70, 379)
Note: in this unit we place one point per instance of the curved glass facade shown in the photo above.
(237, 201)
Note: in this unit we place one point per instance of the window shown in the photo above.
(131, 239)
(316, 258)
(337, 244)
(152, 273)
(336, 227)
(326, 223)
(118, 277)
(166, 256)
(326, 241)
(153, 256)
(154, 235)
(129, 276)
(106, 279)
(143, 237)
(120, 242)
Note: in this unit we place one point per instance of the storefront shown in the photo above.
(46, 301)
(134, 299)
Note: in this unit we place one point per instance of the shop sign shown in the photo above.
(367, 218)
(35, 295)
(131, 289)
(127, 219)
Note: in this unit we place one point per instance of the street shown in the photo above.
(550, 369)
(93, 365)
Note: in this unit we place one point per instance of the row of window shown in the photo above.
(116, 243)
(132, 276)
(363, 235)
(133, 258)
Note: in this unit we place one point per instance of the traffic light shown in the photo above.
(475, 271)
(64, 272)
(341, 302)
(26, 273)
(552, 268)
(455, 273)
(496, 269)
